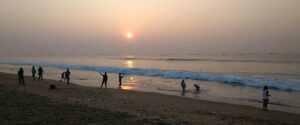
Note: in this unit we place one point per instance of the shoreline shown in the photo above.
(284, 103)
(168, 107)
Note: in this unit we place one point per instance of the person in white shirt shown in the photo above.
(265, 96)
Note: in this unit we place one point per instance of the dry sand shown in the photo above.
(152, 106)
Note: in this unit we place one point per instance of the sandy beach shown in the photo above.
(74, 104)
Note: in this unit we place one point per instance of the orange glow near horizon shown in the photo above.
(142, 27)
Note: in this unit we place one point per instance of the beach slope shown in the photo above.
(73, 104)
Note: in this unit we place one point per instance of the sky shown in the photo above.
(70, 27)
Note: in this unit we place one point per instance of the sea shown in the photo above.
(236, 78)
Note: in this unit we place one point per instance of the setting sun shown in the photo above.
(129, 35)
(150, 62)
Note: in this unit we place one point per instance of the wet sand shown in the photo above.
(135, 107)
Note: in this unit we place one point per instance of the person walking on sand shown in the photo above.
(265, 96)
(183, 86)
(33, 71)
(104, 80)
(67, 76)
(21, 77)
(40, 73)
(121, 76)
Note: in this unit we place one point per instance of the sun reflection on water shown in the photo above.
(131, 78)
(129, 63)
(127, 87)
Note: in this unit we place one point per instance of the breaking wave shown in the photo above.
(280, 84)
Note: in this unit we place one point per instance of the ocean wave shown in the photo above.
(280, 84)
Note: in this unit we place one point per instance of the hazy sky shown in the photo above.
(33, 27)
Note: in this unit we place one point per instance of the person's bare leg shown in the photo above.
(102, 84)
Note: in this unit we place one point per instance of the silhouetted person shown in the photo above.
(104, 80)
(121, 76)
(197, 88)
(183, 86)
(265, 96)
(197, 91)
(21, 77)
(67, 76)
(33, 71)
(40, 73)
(63, 76)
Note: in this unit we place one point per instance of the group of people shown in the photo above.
(33, 71)
(265, 94)
(66, 76)
(183, 86)
(105, 77)
(40, 72)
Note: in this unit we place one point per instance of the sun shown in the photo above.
(129, 35)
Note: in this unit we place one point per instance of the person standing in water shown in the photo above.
(33, 71)
(265, 96)
(183, 86)
(104, 80)
(121, 76)
(197, 87)
(21, 77)
(40, 73)
(67, 76)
